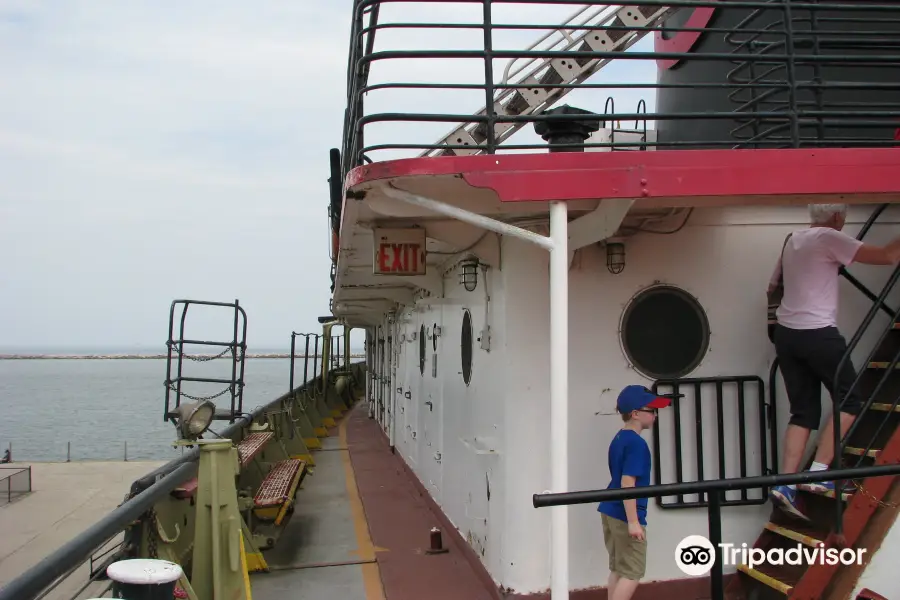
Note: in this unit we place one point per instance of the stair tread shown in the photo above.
(883, 406)
(856, 451)
(782, 579)
(798, 531)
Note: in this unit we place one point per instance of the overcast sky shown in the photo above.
(152, 151)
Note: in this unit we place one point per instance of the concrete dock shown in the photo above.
(66, 499)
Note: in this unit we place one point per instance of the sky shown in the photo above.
(159, 150)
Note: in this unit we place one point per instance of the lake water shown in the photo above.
(96, 406)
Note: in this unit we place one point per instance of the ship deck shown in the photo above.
(361, 530)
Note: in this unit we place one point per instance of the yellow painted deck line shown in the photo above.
(370, 572)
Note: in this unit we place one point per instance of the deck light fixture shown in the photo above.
(615, 256)
(193, 418)
(469, 276)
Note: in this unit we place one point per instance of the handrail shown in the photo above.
(144, 493)
(878, 304)
(776, 101)
(838, 399)
(715, 488)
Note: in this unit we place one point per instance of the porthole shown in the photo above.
(422, 349)
(664, 332)
(466, 347)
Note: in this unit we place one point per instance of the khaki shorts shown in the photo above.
(627, 556)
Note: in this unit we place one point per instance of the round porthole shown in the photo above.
(664, 332)
(422, 349)
(466, 347)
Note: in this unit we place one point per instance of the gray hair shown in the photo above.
(821, 213)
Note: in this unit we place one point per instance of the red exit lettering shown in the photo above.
(398, 258)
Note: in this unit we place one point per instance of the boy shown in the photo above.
(624, 521)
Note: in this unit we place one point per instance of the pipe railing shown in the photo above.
(715, 488)
(785, 52)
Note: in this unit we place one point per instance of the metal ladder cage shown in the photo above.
(237, 346)
(821, 87)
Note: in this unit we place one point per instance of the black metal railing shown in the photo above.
(715, 490)
(781, 74)
(704, 395)
(838, 399)
(797, 32)
(315, 356)
(15, 482)
(237, 347)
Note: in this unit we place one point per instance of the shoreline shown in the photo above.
(142, 356)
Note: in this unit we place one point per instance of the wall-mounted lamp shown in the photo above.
(615, 256)
(469, 275)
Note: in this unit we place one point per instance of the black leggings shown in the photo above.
(809, 359)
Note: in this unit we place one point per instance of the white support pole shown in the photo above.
(558, 245)
(470, 217)
(371, 336)
(559, 394)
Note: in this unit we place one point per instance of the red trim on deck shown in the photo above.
(658, 174)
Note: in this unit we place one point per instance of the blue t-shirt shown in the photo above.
(629, 454)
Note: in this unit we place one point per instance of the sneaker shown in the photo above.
(785, 498)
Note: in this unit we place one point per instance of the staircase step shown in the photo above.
(882, 365)
(860, 451)
(794, 533)
(766, 579)
(827, 494)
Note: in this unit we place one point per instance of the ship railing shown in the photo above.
(15, 482)
(118, 535)
(715, 490)
(775, 77)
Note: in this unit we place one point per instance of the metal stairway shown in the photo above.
(873, 439)
(606, 29)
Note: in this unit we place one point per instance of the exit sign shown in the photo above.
(399, 251)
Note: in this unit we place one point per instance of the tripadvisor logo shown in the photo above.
(695, 555)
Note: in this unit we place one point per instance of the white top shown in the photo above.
(144, 570)
(811, 261)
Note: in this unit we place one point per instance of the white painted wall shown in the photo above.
(496, 430)
(881, 574)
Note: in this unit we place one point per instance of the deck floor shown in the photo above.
(321, 532)
(361, 529)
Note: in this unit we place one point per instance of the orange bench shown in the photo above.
(276, 494)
